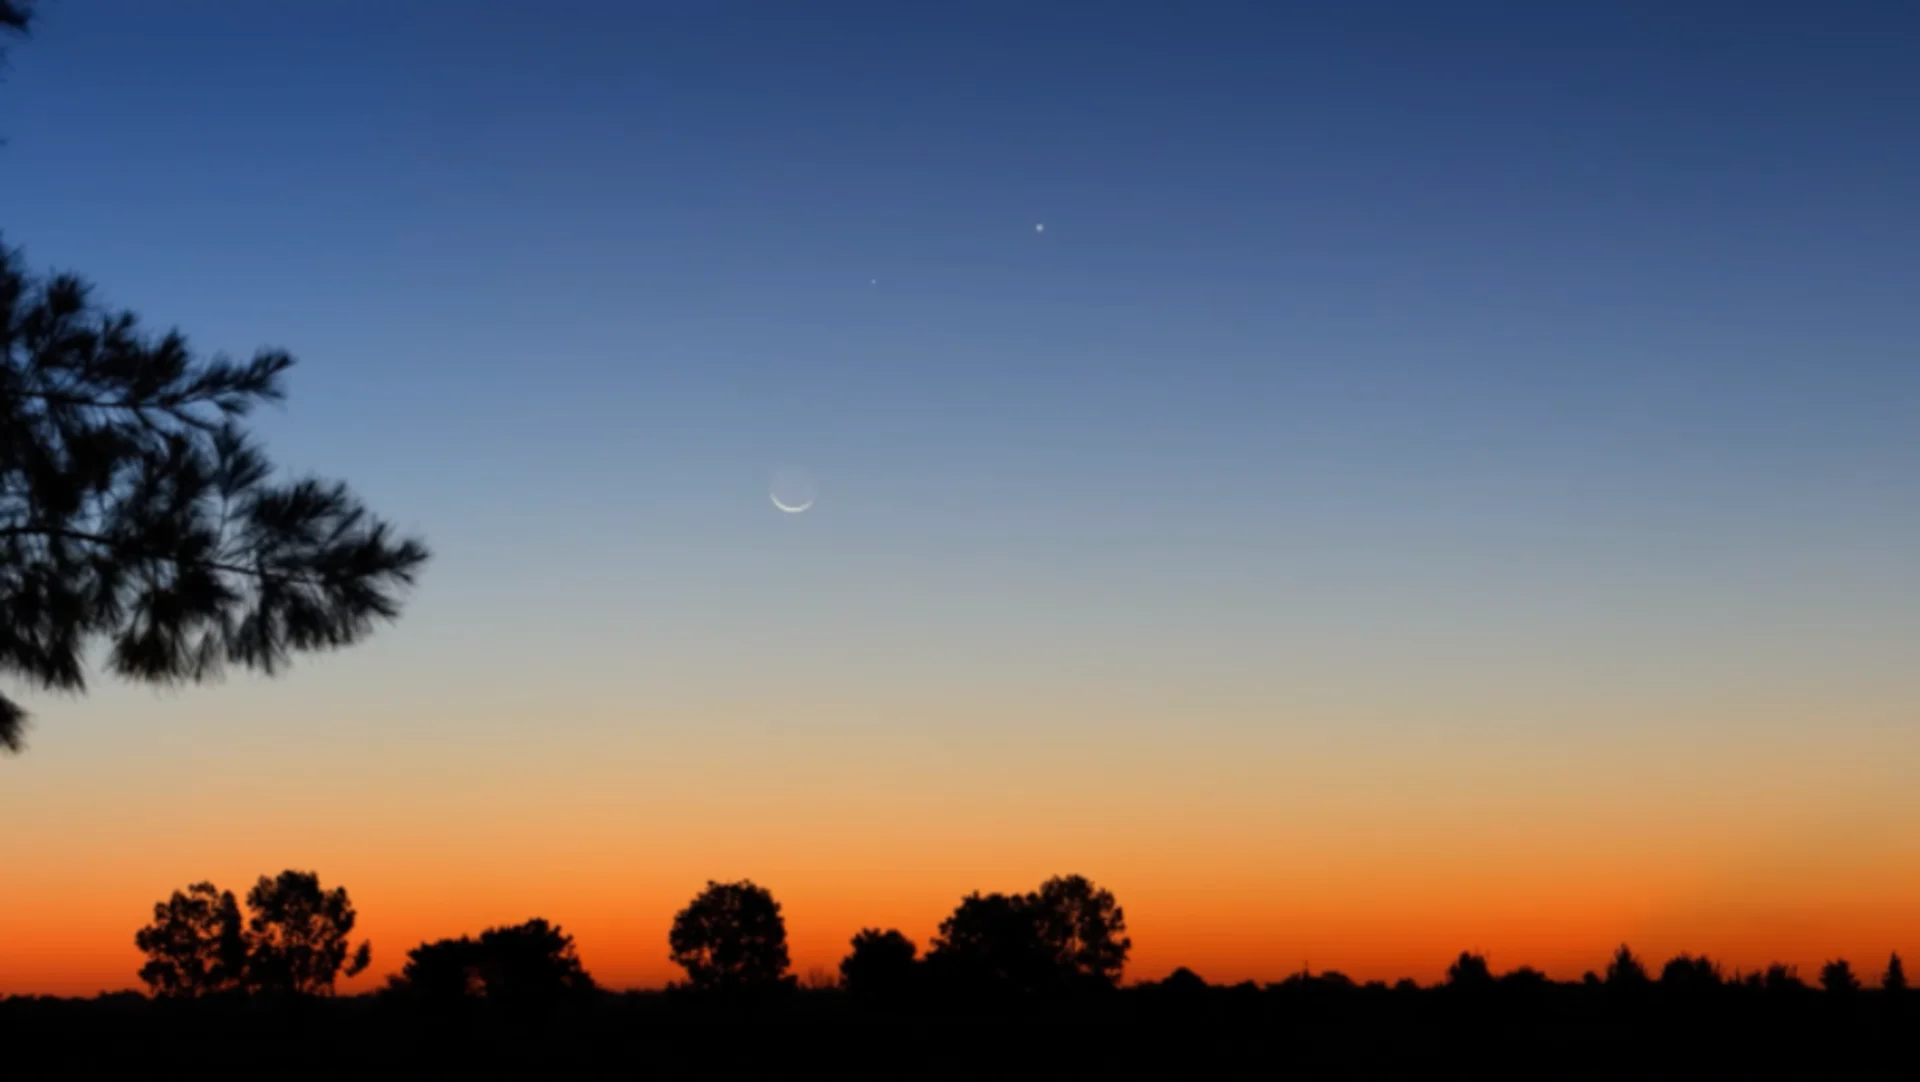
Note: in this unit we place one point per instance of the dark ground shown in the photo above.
(1559, 1032)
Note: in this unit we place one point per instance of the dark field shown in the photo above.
(1557, 1031)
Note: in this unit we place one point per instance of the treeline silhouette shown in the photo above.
(1021, 985)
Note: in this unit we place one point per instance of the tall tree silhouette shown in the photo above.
(297, 936)
(1894, 979)
(1083, 928)
(879, 966)
(136, 513)
(731, 937)
(196, 945)
(1625, 972)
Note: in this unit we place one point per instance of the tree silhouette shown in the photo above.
(1525, 979)
(195, 945)
(1625, 971)
(879, 965)
(1083, 928)
(1183, 982)
(1684, 971)
(1782, 978)
(15, 18)
(135, 512)
(441, 973)
(730, 938)
(1837, 977)
(1069, 934)
(1894, 980)
(297, 936)
(530, 966)
(1469, 971)
(992, 943)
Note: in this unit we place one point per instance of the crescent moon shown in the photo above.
(791, 509)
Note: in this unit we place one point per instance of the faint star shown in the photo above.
(1040, 228)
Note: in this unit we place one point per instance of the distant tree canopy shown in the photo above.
(1470, 970)
(523, 966)
(1782, 978)
(1625, 970)
(1838, 978)
(1068, 934)
(879, 965)
(441, 972)
(731, 938)
(1526, 977)
(1183, 981)
(135, 511)
(294, 944)
(1685, 971)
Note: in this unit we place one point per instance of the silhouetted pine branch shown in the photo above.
(134, 509)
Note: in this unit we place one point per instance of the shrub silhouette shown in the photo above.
(196, 945)
(136, 513)
(731, 938)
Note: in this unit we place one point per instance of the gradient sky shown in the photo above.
(1444, 477)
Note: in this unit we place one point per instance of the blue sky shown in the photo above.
(1487, 336)
(1404, 295)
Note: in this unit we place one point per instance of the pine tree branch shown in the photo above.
(120, 547)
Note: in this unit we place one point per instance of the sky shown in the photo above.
(1443, 477)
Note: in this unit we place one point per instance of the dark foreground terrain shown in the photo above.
(1289, 1031)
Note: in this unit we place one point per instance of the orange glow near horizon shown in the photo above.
(1224, 935)
(1374, 885)
(1241, 850)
